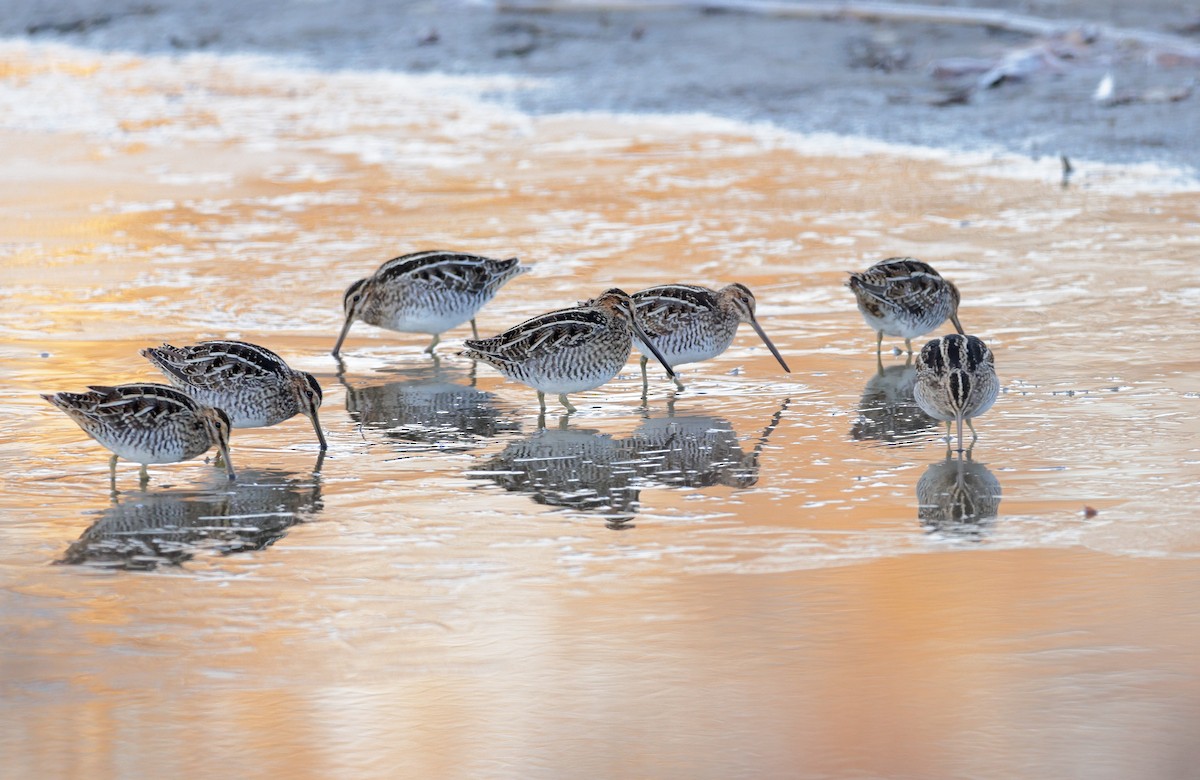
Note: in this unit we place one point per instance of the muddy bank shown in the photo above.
(962, 86)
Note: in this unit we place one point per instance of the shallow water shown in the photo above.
(766, 575)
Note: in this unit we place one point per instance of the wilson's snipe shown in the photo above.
(426, 292)
(956, 380)
(902, 296)
(147, 423)
(567, 351)
(690, 323)
(252, 384)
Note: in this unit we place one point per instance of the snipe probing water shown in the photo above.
(426, 292)
(956, 380)
(252, 384)
(904, 297)
(689, 323)
(147, 423)
(570, 350)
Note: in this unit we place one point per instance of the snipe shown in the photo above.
(569, 350)
(426, 292)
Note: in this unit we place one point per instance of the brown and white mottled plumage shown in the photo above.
(689, 323)
(147, 423)
(426, 292)
(252, 384)
(904, 297)
(569, 350)
(956, 380)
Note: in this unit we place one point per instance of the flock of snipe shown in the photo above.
(220, 385)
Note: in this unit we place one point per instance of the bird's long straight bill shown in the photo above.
(650, 345)
(224, 448)
(342, 336)
(957, 325)
(762, 335)
(320, 434)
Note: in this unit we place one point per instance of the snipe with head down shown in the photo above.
(689, 323)
(956, 381)
(252, 384)
(147, 423)
(426, 292)
(569, 350)
(904, 297)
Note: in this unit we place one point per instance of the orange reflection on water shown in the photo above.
(461, 593)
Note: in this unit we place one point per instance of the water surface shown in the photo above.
(766, 575)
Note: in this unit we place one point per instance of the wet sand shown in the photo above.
(739, 579)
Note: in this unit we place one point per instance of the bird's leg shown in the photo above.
(432, 344)
(542, 401)
(959, 421)
(143, 477)
(974, 435)
(474, 330)
(879, 345)
(645, 378)
(562, 399)
(112, 475)
(908, 345)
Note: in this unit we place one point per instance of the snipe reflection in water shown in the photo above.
(428, 407)
(579, 469)
(958, 496)
(887, 411)
(146, 529)
(593, 472)
(698, 451)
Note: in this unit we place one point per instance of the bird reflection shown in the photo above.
(887, 411)
(580, 469)
(696, 451)
(427, 407)
(958, 496)
(592, 472)
(143, 530)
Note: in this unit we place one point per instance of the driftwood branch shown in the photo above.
(880, 11)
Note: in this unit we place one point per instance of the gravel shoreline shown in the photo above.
(942, 85)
